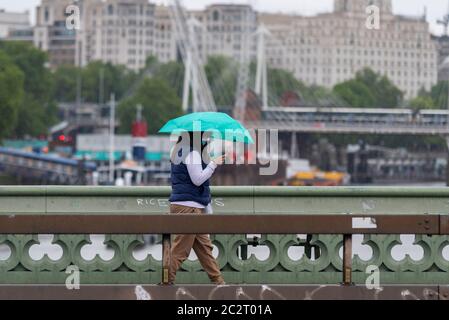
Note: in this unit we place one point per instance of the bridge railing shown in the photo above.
(262, 235)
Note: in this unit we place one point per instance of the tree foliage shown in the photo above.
(65, 83)
(37, 110)
(173, 74)
(159, 101)
(355, 93)
(222, 72)
(435, 98)
(439, 94)
(11, 94)
(96, 79)
(422, 102)
(369, 90)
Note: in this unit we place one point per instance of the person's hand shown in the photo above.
(219, 160)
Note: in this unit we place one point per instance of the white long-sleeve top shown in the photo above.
(198, 176)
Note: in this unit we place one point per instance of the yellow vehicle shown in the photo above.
(317, 178)
(311, 176)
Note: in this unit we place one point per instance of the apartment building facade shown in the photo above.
(330, 48)
(51, 33)
(165, 48)
(116, 31)
(11, 21)
(127, 31)
(324, 50)
(225, 29)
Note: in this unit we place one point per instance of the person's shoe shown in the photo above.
(166, 284)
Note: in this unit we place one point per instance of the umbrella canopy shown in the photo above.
(220, 125)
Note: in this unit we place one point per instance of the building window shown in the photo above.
(46, 15)
(110, 9)
(216, 15)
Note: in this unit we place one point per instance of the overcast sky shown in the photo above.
(435, 8)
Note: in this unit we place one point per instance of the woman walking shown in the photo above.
(191, 196)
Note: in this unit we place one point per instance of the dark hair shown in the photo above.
(192, 136)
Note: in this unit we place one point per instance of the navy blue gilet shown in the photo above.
(183, 189)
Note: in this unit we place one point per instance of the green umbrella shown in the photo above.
(221, 126)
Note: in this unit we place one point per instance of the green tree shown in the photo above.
(160, 104)
(114, 78)
(65, 78)
(355, 94)
(369, 89)
(422, 102)
(281, 81)
(439, 94)
(435, 98)
(171, 73)
(37, 110)
(117, 79)
(385, 93)
(11, 94)
(221, 72)
(320, 96)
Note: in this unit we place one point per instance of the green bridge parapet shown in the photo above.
(307, 234)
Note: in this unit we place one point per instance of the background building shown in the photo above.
(164, 36)
(128, 31)
(324, 50)
(330, 48)
(117, 31)
(10, 21)
(51, 33)
(88, 36)
(224, 28)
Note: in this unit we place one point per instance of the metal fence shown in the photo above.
(307, 234)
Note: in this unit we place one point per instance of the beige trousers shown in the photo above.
(200, 243)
